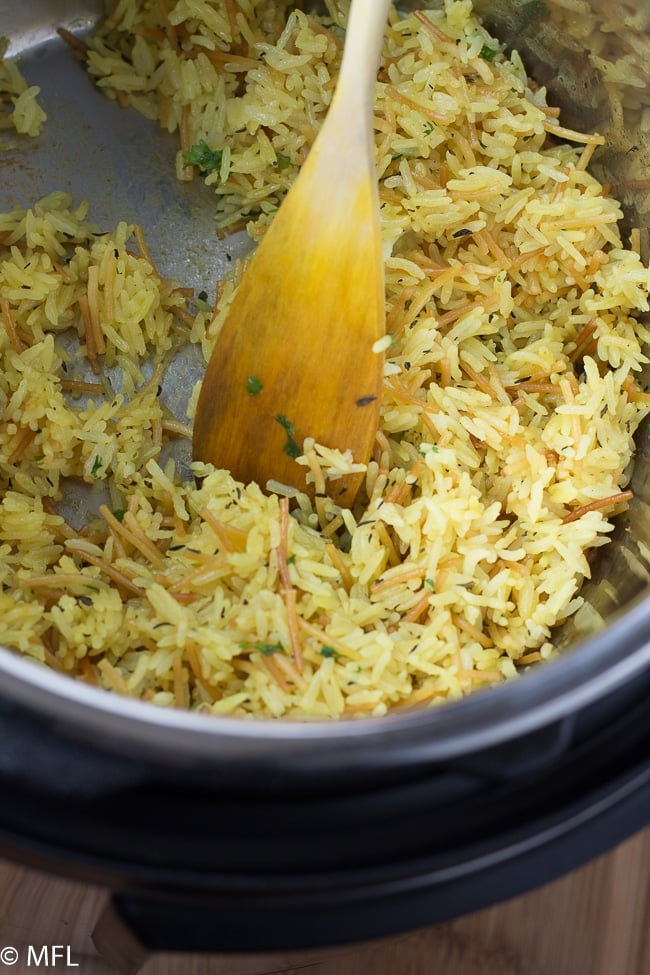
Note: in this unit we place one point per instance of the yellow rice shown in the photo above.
(510, 400)
(19, 108)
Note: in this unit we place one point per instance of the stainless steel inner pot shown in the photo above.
(124, 166)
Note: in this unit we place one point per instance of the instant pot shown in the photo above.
(213, 835)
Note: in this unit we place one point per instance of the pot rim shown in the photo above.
(589, 671)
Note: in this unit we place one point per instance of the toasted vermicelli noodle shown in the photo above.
(509, 404)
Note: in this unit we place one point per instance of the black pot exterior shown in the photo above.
(189, 853)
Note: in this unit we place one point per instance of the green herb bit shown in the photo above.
(429, 128)
(488, 53)
(119, 513)
(202, 296)
(283, 161)
(291, 446)
(267, 649)
(286, 424)
(329, 652)
(428, 448)
(431, 584)
(204, 157)
(98, 463)
(292, 449)
(410, 153)
(254, 386)
(291, 560)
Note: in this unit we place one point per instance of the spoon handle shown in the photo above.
(363, 43)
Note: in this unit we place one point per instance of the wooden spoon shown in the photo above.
(294, 357)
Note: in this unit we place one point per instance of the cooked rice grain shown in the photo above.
(19, 108)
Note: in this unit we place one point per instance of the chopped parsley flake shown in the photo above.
(329, 652)
(267, 649)
(488, 53)
(287, 424)
(254, 386)
(429, 128)
(409, 153)
(98, 463)
(431, 584)
(204, 157)
(283, 161)
(202, 296)
(291, 446)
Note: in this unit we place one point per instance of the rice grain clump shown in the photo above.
(510, 400)
(19, 108)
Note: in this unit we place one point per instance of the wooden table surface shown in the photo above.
(595, 921)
